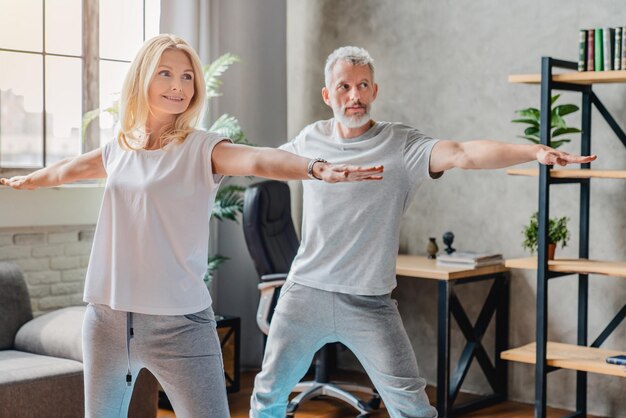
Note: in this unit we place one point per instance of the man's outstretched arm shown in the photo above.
(484, 154)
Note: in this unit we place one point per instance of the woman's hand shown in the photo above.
(18, 183)
(335, 173)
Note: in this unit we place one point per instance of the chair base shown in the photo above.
(338, 390)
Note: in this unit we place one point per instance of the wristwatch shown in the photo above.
(311, 164)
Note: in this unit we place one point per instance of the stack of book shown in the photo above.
(602, 49)
(469, 259)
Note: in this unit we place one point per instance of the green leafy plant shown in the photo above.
(531, 116)
(88, 117)
(229, 198)
(213, 263)
(557, 232)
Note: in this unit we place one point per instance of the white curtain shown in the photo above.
(191, 20)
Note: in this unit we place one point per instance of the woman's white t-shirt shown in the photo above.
(150, 247)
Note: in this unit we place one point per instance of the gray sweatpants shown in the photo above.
(370, 326)
(182, 351)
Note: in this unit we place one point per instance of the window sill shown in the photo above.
(81, 185)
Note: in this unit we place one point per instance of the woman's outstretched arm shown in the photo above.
(85, 166)
(240, 160)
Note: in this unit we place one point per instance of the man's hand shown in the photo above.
(485, 154)
(18, 183)
(550, 156)
(335, 173)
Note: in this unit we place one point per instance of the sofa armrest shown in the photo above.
(55, 334)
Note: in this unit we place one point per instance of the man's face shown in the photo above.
(350, 93)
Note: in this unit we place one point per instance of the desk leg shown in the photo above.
(502, 334)
(443, 348)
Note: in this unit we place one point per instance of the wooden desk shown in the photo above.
(497, 302)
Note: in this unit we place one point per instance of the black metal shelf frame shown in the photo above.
(543, 274)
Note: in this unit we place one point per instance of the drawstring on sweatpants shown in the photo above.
(129, 335)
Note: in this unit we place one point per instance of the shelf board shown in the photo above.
(607, 268)
(570, 174)
(569, 356)
(584, 77)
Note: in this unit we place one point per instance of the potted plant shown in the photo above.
(229, 199)
(557, 233)
(532, 116)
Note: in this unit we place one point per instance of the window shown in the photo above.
(58, 60)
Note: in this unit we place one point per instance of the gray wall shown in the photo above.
(255, 92)
(442, 66)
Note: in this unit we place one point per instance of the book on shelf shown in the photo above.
(608, 36)
(598, 59)
(623, 48)
(582, 50)
(469, 259)
(590, 50)
(602, 49)
(619, 359)
(617, 49)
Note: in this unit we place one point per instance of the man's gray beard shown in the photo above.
(351, 121)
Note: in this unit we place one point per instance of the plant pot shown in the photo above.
(551, 250)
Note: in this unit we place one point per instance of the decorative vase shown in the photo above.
(551, 250)
(432, 248)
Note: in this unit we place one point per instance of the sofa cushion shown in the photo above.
(16, 366)
(15, 307)
(34, 386)
(56, 334)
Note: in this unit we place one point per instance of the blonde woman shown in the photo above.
(147, 304)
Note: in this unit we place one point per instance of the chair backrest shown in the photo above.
(15, 308)
(268, 228)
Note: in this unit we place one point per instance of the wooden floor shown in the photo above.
(329, 408)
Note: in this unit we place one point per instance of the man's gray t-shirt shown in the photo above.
(350, 231)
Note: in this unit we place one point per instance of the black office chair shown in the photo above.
(273, 243)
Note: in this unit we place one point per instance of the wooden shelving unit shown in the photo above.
(583, 357)
(569, 356)
(572, 266)
(584, 78)
(570, 174)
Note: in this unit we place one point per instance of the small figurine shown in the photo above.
(432, 248)
(448, 238)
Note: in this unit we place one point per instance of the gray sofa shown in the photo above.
(41, 371)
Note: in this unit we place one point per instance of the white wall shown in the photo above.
(255, 92)
(57, 206)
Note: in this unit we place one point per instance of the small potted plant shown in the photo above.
(557, 233)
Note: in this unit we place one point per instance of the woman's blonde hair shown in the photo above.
(134, 104)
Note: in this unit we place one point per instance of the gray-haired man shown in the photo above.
(341, 280)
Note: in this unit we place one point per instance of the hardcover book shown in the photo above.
(597, 59)
(607, 44)
(590, 50)
(621, 360)
(624, 48)
(469, 259)
(582, 50)
(617, 49)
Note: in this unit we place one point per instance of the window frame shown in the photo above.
(90, 81)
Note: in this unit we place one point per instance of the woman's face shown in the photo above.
(172, 87)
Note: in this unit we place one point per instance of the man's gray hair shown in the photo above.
(352, 54)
